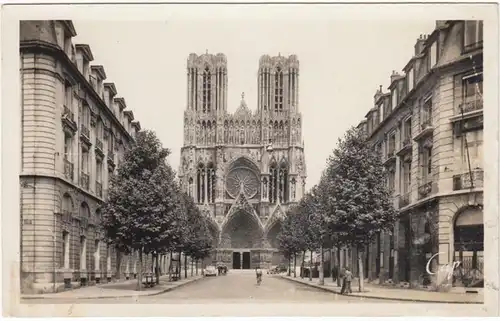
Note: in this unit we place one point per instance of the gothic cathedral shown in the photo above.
(243, 169)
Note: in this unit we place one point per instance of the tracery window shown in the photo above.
(278, 183)
(207, 90)
(205, 184)
(278, 91)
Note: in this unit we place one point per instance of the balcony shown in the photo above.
(84, 180)
(85, 134)
(404, 200)
(426, 129)
(84, 221)
(68, 169)
(405, 147)
(463, 181)
(68, 120)
(66, 216)
(427, 187)
(111, 158)
(99, 147)
(473, 46)
(98, 189)
(470, 106)
(390, 158)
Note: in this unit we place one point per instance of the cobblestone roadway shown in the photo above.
(235, 287)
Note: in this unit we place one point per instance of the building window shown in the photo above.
(472, 142)
(68, 147)
(68, 96)
(473, 86)
(407, 130)
(433, 54)
(83, 253)
(85, 161)
(207, 90)
(394, 98)
(391, 178)
(426, 164)
(391, 144)
(200, 184)
(98, 171)
(410, 79)
(426, 111)
(65, 250)
(406, 175)
(473, 34)
(278, 91)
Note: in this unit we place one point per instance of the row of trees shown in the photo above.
(349, 207)
(147, 213)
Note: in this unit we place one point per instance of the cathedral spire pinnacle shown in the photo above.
(243, 95)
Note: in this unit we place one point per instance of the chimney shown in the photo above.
(394, 76)
(377, 95)
(440, 24)
(419, 45)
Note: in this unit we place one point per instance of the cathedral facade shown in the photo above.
(243, 169)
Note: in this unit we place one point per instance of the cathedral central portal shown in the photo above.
(243, 169)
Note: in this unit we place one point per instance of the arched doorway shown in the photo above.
(272, 237)
(468, 231)
(241, 234)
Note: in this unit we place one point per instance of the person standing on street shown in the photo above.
(258, 274)
(347, 279)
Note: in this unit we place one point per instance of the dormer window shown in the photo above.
(473, 34)
(433, 55)
(394, 98)
(410, 78)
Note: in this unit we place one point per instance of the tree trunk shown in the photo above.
(185, 267)
(191, 260)
(321, 268)
(170, 267)
(332, 264)
(295, 265)
(196, 263)
(139, 279)
(338, 267)
(302, 265)
(180, 265)
(361, 270)
(157, 270)
(289, 265)
(311, 266)
(118, 264)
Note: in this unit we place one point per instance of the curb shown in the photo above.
(176, 286)
(320, 287)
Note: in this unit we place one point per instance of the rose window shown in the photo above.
(239, 178)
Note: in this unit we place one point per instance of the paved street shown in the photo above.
(235, 287)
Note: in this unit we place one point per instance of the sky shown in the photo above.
(342, 64)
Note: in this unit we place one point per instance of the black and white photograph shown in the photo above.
(157, 157)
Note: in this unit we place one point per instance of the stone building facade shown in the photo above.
(428, 128)
(74, 131)
(243, 169)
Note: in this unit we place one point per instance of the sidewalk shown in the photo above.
(393, 294)
(125, 289)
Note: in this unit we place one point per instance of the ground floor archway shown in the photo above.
(468, 244)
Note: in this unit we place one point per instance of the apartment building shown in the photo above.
(428, 129)
(75, 130)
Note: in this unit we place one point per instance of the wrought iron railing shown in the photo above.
(471, 105)
(68, 169)
(68, 113)
(85, 131)
(98, 189)
(84, 180)
(463, 181)
(98, 144)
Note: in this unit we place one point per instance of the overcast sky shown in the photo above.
(341, 66)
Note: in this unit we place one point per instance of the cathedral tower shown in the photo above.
(243, 169)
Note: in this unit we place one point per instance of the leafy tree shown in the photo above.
(361, 200)
(289, 241)
(141, 211)
(198, 241)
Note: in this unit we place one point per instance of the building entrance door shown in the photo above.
(236, 260)
(246, 260)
